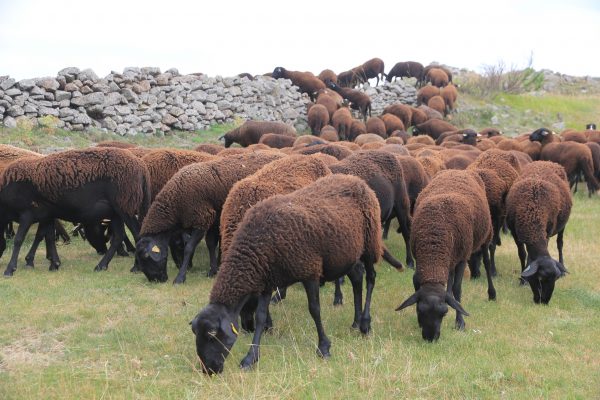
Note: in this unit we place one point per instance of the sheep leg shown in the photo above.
(365, 321)
(188, 252)
(474, 265)
(51, 251)
(386, 228)
(522, 258)
(212, 240)
(559, 244)
(338, 296)
(176, 247)
(62, 232)
(404, 227)
(24, 224)
(262, 310)
(312, 293)
(115, 240)
(455, 284)
(41, 232)
(9, 230)
(280, 294)
(488, 272)
(356, 278)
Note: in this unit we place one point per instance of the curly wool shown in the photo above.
(9, 153)
(251, 131)
(311, 233)
(336, 150)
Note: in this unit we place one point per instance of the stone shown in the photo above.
(85, 89)
(132, 119)
(176, 111)
(10, 122)
(7, 84)
(109, 124)
(48, 111)
(101, 87)
(129, 95)
(89, 99)
(112, 99)
(150, 71)
(49, 84)
(26, 84)
(30, 108)
(141, 86)
(163, 79)
(169, 120)
(61, 95)
(199, 107)
(15, 111)
(82, 119)
(13, 92)
(71, 87)
(123, 110)
(87, 75)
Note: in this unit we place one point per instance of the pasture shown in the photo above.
(76, 333)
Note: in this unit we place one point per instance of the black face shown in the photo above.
(216, 332)
(278, 73)
(430, 313)
(470, 137)
(542, 275)
(539, 135)
(590, 127)
(94, 233)
(151, 253)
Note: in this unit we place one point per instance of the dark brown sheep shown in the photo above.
(340, 219)
(490, 132)
(318, 117)
(573, 136)
(538, 207)
(437, 66)
(427, 92)
(329, 133)
(450, 95)
(392, 123)
(327, 75)
(357, 128)
(358, 100)
(438, 104)
(377, 126)
(401, 135)
(433, 128)
(192, 200)
(342, 122)
(593, 136)
(209, 148)
(401, 111)
(383, 173)
(430, 112)
(365, 138)
(251, 131)
(347, 79)
(437, 77)
(276, 141)
(329, 103)
(407, 69)
(426, 140)
(307, 82)
(451, 222)
(333, 149)
(418, 117)
(304, 140)
(485, 144)
(117, 144)
(374, 68)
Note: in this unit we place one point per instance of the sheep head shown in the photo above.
(432, 306)
(151, 253)
(539, 135)
(469, 136)
(542, 274)
(216, 330)
(278, 72)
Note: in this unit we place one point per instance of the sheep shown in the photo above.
(490, 132)
(538, 206)
(276, 141)
(574, 157)
(418, 116)
(590, 127)
(86, 186)
(250, 132)
(307, 82)
(339, 215)
(430, 112)
(437, 77)
(209, 148)
(117, 144)
(327, 75)
(357, 128)
(336, 150)
(401, 111)
(358, 100)
(347, 79)
(532, 149)
(485, 144)
(365, 138)
(449, 94)
(342, 122)
(593, 136)
(383, 173)
(427, 92)
(350, 145)
(432, 165)
(573, 136)
(318, 117)
(396, 142)
(407, 69)
(304, 140)
(377, 126)
(392, 123)
(329, 103)
(374, 68)
(329, 134)
(433, 128)
(438, 104)
(402, 135)
(432, 66)
(427, 140)
(192, 200)
(451, 222)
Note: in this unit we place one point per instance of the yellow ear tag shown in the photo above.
(155, 249)
(234, 330)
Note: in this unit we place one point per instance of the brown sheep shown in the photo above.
(318, 117)
(192, 200)
(392, 123)
(329, 133)
(251, 131)
(592, 136)
(329, 103)
(348, 79)
(436, 66)
(365, 138)
(427, 92)
(433, 128)
(358, 100)
(336, 150)
(401, 111)
(268, 252)
(358, 128)
(372, 146)
(395, 140)
(437, 77)
(304, 140)
(427, 140)
(432, 165)
(407, 69)
(485, 144)
(451, 223)
(401, 135)
(438, 104)
(308, 83)
(573, 136)
(342, 122)
(490, 132)
(209, 148)
(533, 149)
(430, 112)
(117, 144)
(374, 68)
(459, 162)
(276, 141)
(538, 207)
(450, 95)
(327, 75)
(377, 126)
(418, 116)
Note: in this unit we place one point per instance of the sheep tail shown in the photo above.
(387, 256)
(588, 171)
(146, 197)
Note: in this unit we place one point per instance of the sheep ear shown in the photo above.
(560, 269)
(451, 301)
(409, 302)
(221, 138)
(465, 135)
(544, 133)
(194, 324)
(531, 270)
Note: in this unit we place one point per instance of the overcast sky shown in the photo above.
(40, 37)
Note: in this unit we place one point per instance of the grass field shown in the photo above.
(77, 334)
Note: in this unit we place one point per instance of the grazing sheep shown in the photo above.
(336, 150)
(365, 138)
(347, 79)
(426, 140)
(573, 136)
(437, 77)
(340, 219)
(307, 82)
(538, 206)
(209, 148)
(401, 111)
(318, 117)
(86, 186)
(358, 100)
(304, 140)
(438, 104)
(357, 128)
(397, 143)
(342, 122)
(407, 69)
(374, 68)
(251, 131)
(449, 94)
(329, 134)
(431, 113)
(451, 222)
(433, 128)
(327, 75)
(403, 135)
(418, 116)
(432, 165)
(192, 200)
(377, 126)
(427, 92)
(276, 141)
(372, 146)
(392, 123)
(436, 66)
(328, 102)
(350, 145)
(485, 144)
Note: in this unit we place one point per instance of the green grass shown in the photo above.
(80, 334)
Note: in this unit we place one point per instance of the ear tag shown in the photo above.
(155, 249)
(234, 330)
(526, 269)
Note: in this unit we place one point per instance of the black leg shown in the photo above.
(386, 228)
(188, 252)
(212, 240)
(40, 234)
(115, 240)
(356, 279)
(280, 294)
(559, 244)
(522, 257)
(488, 272)
(24, 224)
(475, 265)
(338, 297)
(262, 309)
(312, 293)
(365, 321)
(404, 227)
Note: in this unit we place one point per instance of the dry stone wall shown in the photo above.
(146, 100)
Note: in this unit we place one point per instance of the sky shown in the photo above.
(40, 37)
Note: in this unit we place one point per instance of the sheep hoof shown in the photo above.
(460, 324)
(338, 301)
(135, 269)
(211, 273)
(8, 274)
(179, 280)
(248, 361)
(323, 350)
(410, 264)
(29, 264)
(100, 268)
(53, 267)
(522, 282)
(365, 326)
(492, 295)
